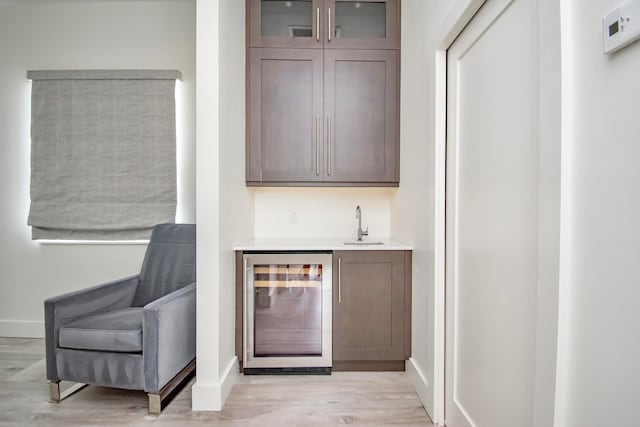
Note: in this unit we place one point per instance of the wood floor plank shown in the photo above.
(358, 398)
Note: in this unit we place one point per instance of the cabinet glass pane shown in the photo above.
(291, 18)
(361, 19)
(288, 310)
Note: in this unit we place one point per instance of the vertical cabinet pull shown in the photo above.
(317, 147)
(329, 25)
(318, 24)
(339, 280)
(329, 165)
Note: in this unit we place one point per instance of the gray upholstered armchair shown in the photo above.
(136, 333)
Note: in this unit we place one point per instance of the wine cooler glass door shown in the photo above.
(287, 297)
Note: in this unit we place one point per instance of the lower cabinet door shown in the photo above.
(369, 306)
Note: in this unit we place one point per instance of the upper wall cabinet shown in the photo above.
(361, 115)
(284, 116)
(328, 24)
(322, 118)
(323, 80)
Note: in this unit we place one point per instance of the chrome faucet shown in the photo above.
(360, 231)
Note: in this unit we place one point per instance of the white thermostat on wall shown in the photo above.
(621, 26)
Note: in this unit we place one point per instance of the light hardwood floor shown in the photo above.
(383, 399)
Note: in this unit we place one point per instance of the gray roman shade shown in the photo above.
(103, 153)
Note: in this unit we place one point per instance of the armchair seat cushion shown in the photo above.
(115, 331)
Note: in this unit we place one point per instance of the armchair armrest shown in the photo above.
(62, 309)
(168, 336)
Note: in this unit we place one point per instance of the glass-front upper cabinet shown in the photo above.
(364, 24)
(291, 23)
(368, 24)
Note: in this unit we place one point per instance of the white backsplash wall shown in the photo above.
(321, 212)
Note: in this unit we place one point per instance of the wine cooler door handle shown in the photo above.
(329, 165)
(339, 280)
(245, 343)
(317, 147)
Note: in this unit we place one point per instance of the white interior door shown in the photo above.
(491, 218)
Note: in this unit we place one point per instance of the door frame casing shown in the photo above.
(451, 31)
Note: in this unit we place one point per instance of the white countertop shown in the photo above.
(315, 244)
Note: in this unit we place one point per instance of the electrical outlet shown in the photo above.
(293, 216)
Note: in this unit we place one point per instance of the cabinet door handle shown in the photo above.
(339, 280)
(317, 147)
(318, 24)
(329, 25)
(329, 166)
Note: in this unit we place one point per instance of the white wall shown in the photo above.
(321, 212)
(549, 166)
(598, 373)
(236, 203)
(206, 392)
(225, 206)
(412, 208)
(78, 35)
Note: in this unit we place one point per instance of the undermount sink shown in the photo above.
(363, 243)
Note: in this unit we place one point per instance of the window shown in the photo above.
(103, 153)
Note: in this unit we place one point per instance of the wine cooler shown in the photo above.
(287, 312)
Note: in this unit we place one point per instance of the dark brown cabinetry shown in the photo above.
(322, 93)
(371, 310)
(285, 116)
(328, 24)
(322, 119)
(360, 107)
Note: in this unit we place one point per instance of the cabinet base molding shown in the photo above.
(353, 365)
(369, 365)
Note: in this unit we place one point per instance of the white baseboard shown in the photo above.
(211, 397)
(21, 328)
(421, 384)
(228, 380)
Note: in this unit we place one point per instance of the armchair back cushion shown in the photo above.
(169, 263)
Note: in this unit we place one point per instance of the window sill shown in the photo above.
(92, 242)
